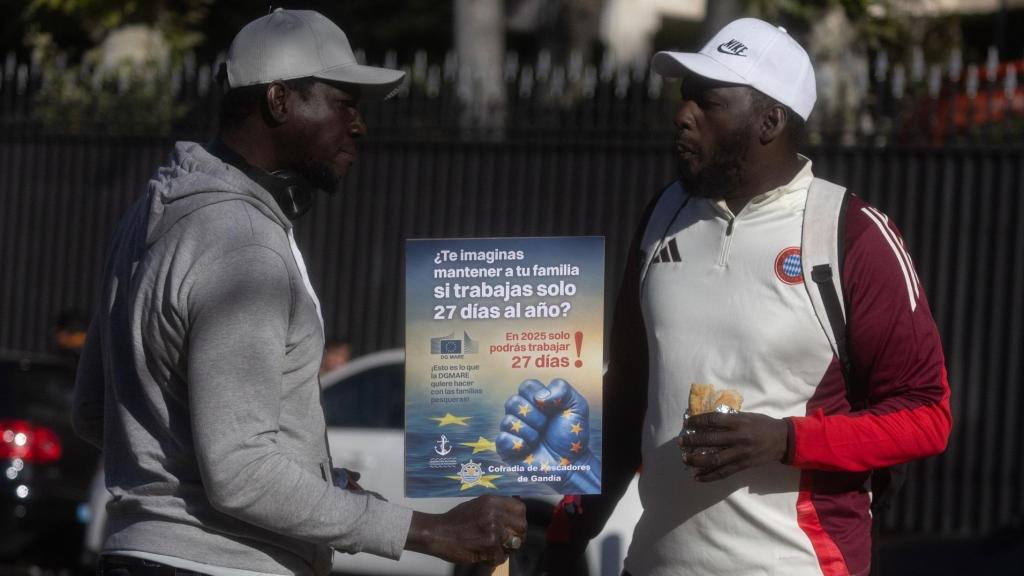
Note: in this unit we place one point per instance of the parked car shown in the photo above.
(364, 405)
(46, 467)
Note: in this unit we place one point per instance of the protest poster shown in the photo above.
(504, 360)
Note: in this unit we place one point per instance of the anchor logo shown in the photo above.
(443, 446)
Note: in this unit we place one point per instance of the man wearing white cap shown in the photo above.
(715, 293)
(199, 376)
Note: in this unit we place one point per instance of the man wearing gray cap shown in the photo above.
(199, 375)
(715, 294)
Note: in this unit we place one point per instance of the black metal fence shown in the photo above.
(859, 102)
(959, 208)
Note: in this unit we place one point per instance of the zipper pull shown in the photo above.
(728, 229)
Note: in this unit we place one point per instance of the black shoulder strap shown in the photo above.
(823, 277)
(823, 252)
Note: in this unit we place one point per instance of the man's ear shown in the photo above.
(773, 123)
(278, 107)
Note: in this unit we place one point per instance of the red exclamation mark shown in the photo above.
(579, 347)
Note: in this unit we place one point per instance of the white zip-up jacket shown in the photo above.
(718, 298)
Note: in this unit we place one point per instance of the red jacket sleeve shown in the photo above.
(894, 348)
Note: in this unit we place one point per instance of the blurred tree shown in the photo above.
(563, 27)
(109, 64)
(99, 61)
(876, 22)
(68, 22)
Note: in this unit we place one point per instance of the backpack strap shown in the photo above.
(821, 257)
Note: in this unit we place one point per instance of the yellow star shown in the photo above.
(576, 428)
(516, 426)
(481, 445)
(563, 462)
(567, 413)
(528, 459)
(524, 410)
(576, 447)
(449, 419)
(517, 445)
(544, 466)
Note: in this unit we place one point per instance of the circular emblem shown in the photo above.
(470, 472)
(788, 267)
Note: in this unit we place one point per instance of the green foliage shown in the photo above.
(77, 94)
(70, 106)
(880, 23)
(129, 99)
(177, 20)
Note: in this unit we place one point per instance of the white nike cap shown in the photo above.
(289, 44)
(754, 53)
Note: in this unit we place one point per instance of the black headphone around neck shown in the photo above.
(293, 192)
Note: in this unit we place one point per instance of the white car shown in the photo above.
(364, 405)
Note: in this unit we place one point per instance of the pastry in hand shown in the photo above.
(700, 394)
(728, 398)
(704, 398)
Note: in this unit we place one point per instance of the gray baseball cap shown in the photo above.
(289, 44)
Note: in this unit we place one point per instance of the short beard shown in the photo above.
(724, 172)
(318, 174)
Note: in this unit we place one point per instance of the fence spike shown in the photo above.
(10, 65)
(992, 64)
(956, 63)
(22, 79)
(557, 85)
(543, 64)
(899, 79)
(511, 66)
(589, 80)
(654, 85)
(526, 81)
(881, 65)
(419, 66)
(433, 81)
(575, 69)
(934, 81)
(640, 67)
(451, 66)
(622, 83)
(972, 81)
(1010, 83)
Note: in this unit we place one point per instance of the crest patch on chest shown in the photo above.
(788, 266)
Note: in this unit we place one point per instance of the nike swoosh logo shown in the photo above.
(730, 52)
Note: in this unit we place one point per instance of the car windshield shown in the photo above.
(372, 398)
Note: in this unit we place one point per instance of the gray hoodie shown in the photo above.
(199, 382)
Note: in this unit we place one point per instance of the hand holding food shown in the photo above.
(718, 440)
